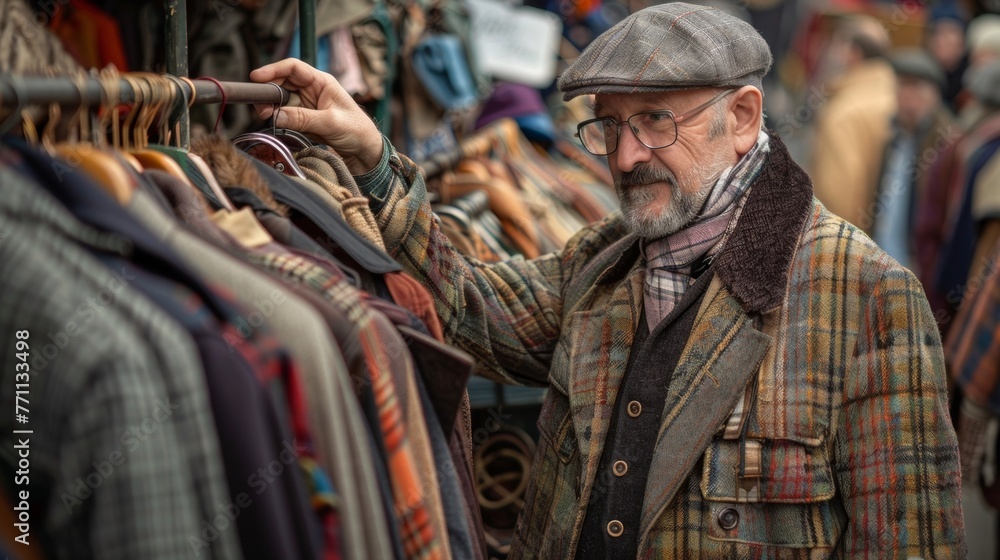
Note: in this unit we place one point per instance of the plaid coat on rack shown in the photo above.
(858, 454)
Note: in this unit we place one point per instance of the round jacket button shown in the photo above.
(729, 518)
(620, 468)
(615, 528)
(634, 409)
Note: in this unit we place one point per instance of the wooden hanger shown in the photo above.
(106, 172)
(112, 99)
(159, 95)
(479, 144)
(475, 167)
(510, 137)
(175, 101)
(103, 168)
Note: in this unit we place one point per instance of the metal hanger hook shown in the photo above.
(222, 92)
(111, 90)
(182, 105)
(277, 110)
(82, 114)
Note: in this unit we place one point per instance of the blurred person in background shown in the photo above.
(854, 126)
(936, 210)
(946, 43)
(973, 343)
(780, 22)
(978, 204)
(948, 220)
(973, 356)
(984, 48)
(922, 127)
(986, 190)
(984, 40)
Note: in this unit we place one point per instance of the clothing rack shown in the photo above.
(18, 92)
(25, 90)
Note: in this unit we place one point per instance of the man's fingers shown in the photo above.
(267, 73)
(277, 73)
(263, 111)
(290, 73)
(303, 75)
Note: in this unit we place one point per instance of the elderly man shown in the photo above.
(733, 371)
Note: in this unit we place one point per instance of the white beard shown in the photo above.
(683, 207)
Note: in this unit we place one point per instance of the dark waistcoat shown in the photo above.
(620, 482)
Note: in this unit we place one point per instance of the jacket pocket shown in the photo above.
(551, 500)
(555, 425)
(791, 504)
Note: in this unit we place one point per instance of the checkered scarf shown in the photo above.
(669, 260)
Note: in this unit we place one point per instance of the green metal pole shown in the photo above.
(177, 53)
(307, 31)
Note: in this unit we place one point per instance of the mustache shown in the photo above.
(644, 174)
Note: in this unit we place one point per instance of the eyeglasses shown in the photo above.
(655, 129)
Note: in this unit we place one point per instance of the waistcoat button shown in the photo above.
(615, 528)
(634, 409)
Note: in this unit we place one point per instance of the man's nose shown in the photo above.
(630, 150)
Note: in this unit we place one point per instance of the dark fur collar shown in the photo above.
(755, 261)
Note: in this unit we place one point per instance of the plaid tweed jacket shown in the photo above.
(858, 457)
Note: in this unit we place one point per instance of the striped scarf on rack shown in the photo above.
(670, 259)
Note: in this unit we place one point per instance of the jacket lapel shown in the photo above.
(723, 352)
(605, 336)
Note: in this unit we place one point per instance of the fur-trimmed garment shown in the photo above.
(233, 169)
(813, 356)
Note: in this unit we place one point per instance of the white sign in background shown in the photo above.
(515, 43)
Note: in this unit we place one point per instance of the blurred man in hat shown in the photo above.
(733, 371)
(945, 41)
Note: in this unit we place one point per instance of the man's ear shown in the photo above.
(747, 103)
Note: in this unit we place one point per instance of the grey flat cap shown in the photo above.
(916, 63)
(670, 47)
